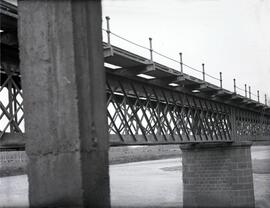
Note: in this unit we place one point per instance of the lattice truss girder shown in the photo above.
(11, 107)
(143, 113)
(253, 125)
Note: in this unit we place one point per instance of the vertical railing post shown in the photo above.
(249, 92)
(234, 85)
(258, 95)
(220, 79)
(203, 72)
(108, 30)
(245, 90)
(151, 49)
(181, 62)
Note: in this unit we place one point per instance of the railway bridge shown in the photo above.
(62, 104)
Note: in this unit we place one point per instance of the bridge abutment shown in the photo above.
(217, 175)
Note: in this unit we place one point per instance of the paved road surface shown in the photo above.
(140, 184)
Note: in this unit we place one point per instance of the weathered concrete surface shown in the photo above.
(63, 80)
(217, 175)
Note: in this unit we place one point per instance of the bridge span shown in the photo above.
(54, 82)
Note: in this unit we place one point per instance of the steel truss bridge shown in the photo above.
(170, 107)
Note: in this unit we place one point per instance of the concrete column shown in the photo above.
(63, 81)
(217, 175)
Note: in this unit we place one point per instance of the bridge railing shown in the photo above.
(177, 64)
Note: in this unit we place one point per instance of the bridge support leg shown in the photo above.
(217, 175)
(64, 99)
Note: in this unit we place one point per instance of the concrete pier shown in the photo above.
(63, 82)
(217, 175)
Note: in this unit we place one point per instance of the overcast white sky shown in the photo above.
(232, 36)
